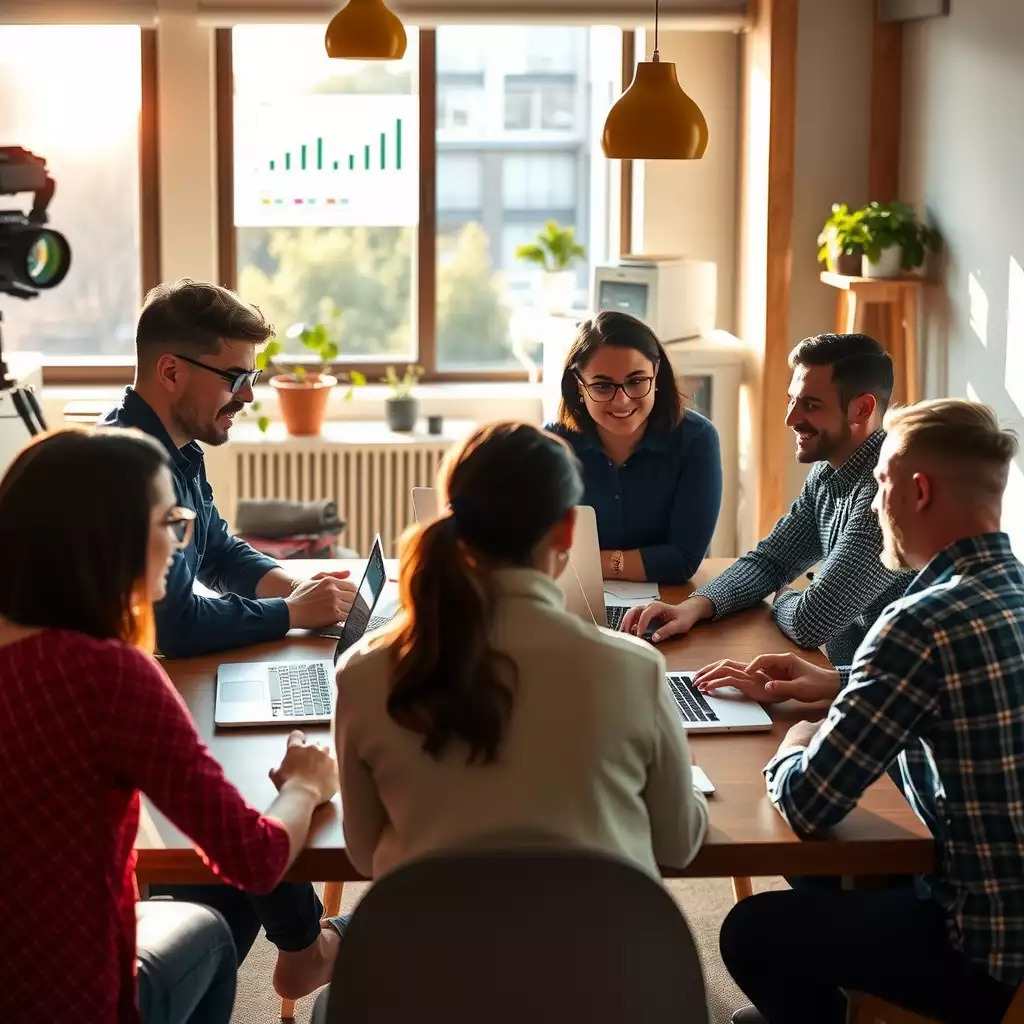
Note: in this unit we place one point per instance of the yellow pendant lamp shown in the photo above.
(654, 119)
(365, 30)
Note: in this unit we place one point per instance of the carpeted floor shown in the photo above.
(705, 902)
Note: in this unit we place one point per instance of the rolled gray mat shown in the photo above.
(274, 518)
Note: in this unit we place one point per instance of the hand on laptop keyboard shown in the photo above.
(320, 602)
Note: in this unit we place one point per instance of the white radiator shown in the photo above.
(369, 471)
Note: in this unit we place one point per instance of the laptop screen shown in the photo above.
(370, 588)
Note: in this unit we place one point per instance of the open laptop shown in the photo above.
(425, 508)
(387, 602)
(705, 712)
(584, 558)
(297, 692)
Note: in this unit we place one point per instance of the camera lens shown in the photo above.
(33, 257)
(48, 259)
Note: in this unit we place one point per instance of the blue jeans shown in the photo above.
(290, 914)
(186, 964)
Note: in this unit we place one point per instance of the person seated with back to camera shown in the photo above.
(90, 720)
(937, 690)
(652, 469)
(451, 720)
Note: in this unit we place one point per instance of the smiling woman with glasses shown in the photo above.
(651, 468)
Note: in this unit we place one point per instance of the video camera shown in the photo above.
(33, 257)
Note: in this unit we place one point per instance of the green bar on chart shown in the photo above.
(383, 150)
(287, 161)
(271, 164)
(319, 154)
(303, 156)
(366, 157)
(351, 162)
(398, 144)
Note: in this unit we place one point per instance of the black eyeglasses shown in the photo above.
(181, 522)
(238, 379)
(604, 390)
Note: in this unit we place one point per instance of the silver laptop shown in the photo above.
(586, 558)
(718, 712)
(425, 508)
(297, 692)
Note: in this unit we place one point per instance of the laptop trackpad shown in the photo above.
(241, 691)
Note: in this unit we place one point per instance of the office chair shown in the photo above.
(865, 1009)
(528, 937)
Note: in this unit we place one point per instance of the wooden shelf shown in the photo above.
(865, 284)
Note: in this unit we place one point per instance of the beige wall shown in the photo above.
(962, 154)
(689, 208)
(832, 131)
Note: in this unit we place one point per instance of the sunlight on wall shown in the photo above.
(1014, 376)
(977, 308)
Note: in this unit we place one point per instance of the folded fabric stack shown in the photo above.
(290, 529)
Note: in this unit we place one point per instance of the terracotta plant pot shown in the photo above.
(303, 401)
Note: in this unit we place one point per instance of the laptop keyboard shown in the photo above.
(377, 621)
(299, 690)
(615, 613)
(689, 700)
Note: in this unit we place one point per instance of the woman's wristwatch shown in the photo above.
(616, 563)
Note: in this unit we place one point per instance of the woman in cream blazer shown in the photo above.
(487, 715)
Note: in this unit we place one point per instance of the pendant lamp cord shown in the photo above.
(657, 5)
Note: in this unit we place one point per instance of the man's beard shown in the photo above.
(893, 554)
(824, 445)
(189, 424)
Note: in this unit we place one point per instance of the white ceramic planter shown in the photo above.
(890, 263)
(557, 291)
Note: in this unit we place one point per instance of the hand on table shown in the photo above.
(321, 601)
(676, 619)
(801, 734)
(308, 765)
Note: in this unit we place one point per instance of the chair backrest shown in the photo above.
(527, 936)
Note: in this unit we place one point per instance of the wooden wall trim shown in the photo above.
(782, 24)
(149, 166)
(886, 110)
(224, 104)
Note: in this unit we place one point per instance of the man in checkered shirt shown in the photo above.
(840, 389)
(936, 689)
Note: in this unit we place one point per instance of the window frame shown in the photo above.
(107, 371)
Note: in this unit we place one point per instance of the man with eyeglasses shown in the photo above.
(196, 353)
(838, 395)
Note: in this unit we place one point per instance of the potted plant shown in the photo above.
(893, 239)
(303, 389)
(402, 408)
(840, 249)
(555, 251)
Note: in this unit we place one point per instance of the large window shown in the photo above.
(72, 94)
(326, 183)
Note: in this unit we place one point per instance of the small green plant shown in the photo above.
(555, 249)
(876, 227)
(401, 387)
(880, 226)
(318, 339)
(838, 235)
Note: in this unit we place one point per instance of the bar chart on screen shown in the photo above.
(327, 161)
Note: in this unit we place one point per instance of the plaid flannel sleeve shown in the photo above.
(791, 548)
(850, 579)
(891, 689)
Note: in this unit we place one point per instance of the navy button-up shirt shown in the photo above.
(663, 500)
(187, 624)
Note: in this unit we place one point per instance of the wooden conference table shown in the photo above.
(746, 837)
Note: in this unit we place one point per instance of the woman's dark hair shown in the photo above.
(621, 330)
(74, 522)
(507, 486)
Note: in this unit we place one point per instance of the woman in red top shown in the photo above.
(88, 527)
